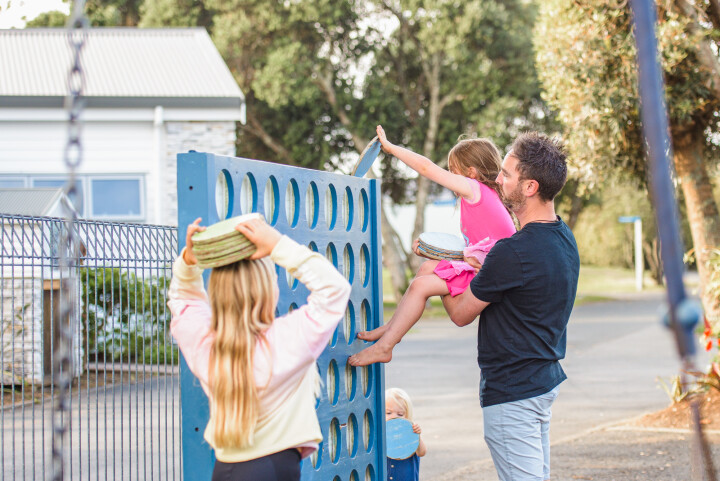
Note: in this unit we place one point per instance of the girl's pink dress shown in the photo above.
(484, 223)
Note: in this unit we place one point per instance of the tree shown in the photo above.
(112, 13)
(451, 69)
(586, 60)
(318, 76)
(100, 13)
(53, 18)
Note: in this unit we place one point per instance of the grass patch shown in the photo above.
(581, 299)
(434, 310)
(605, 281)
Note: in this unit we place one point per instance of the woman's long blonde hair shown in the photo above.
(242, 300)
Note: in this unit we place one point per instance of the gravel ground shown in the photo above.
(612, 454)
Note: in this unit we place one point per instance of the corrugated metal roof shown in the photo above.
(37, 201)
(118, 62)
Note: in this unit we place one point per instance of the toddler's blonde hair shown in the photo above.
(402, 399)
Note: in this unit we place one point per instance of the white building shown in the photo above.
(150, 93)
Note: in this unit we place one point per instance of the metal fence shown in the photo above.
(125, 404)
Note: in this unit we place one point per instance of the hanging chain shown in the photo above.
(69, 246)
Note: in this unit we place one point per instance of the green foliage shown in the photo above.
(586, 63)
(318, 74)
(48, 19)
(472, 58)
(277, 51)
(112, 13)
(126, 317)
(175, 13)
(601, 239)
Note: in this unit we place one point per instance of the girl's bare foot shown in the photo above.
(373, 335)
(378, 352)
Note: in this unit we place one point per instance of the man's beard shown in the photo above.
(515, 200)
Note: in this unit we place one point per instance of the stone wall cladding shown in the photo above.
(216, 137)
(23, 331)
(22, 334)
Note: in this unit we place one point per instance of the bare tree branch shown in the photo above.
(255, 128)
(325, 82)
(714, 13)
(706, 56)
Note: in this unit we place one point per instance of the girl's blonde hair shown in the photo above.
(402, 399)
(480, 154)
(242, 301)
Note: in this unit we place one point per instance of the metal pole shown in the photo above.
(639, 264)
(683, 314)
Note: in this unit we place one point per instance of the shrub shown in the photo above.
(126, 318)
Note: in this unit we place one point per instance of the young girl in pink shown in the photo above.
(474, 165)
(258, 371)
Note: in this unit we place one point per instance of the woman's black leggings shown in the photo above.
(282, 466)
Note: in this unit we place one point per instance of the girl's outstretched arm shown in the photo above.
(427, 168)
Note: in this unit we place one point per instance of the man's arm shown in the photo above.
(463, 309)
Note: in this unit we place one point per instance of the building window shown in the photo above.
(77, 199)
(116, 198)
(101, 196)
(12, 182)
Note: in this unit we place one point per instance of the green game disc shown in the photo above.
(220, 244)
(223, 229)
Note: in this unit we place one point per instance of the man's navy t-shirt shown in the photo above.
(530, 281)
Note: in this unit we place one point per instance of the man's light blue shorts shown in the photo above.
(518, 435)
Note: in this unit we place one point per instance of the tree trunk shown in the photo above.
(392, 251)
(701, 207)
(652, 260)
(576, 202)
(393, 259)
(423, 184)
(254, 127)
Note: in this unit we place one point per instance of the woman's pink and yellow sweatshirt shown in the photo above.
(284, 365)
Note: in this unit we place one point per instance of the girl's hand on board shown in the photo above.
(416, 249)
(188, 254)
(416, 429)
(264, 236)
(386, 145)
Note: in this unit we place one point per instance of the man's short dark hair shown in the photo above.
(542, 159)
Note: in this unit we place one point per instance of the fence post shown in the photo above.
(194, 188)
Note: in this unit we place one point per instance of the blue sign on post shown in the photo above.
(335, 215)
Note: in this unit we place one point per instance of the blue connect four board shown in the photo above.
(338, 216)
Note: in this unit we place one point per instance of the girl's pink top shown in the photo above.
(487, 217)
(482, 224)
(293, 341)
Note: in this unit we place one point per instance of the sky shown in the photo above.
(12, 16)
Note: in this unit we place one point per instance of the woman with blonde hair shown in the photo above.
(258, 371)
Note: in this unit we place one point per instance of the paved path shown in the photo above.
(616, 350)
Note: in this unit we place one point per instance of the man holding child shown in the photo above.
(524, 294)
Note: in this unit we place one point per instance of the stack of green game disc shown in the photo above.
(220, 244)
